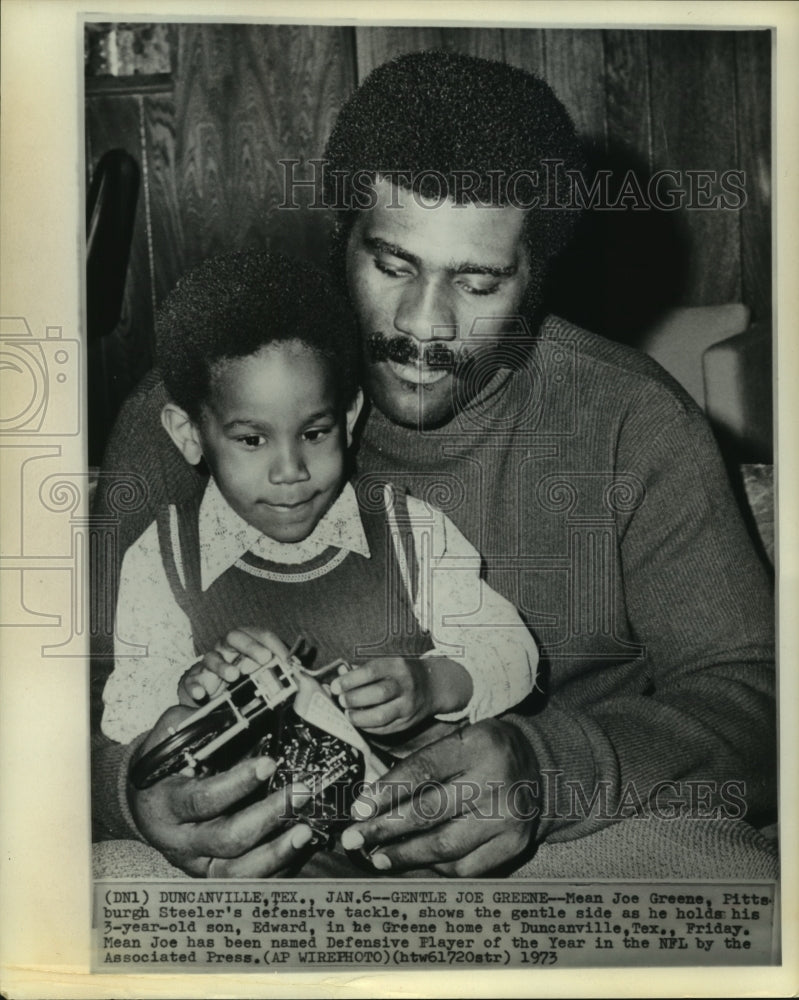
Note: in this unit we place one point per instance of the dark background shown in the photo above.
(242, 97)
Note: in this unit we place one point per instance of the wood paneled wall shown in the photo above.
(246, 96)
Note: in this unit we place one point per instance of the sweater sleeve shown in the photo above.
(691, 727)
(141, 470)
(470, 623)
(153, 647)
(144, 685)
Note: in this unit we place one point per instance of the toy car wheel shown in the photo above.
(169, 756)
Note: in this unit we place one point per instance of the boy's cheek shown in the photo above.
(328, 469)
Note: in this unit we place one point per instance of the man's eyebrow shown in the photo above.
(465, 267)
(383, 246)
(495, 272)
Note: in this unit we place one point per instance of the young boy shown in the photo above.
(261, 362)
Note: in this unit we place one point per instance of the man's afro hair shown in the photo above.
(233, 305)
(452, 114)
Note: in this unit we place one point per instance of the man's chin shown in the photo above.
(416, 406)
(419, 418)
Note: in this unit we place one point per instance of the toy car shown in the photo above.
(257, 716)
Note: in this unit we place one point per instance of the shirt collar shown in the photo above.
(224, 536)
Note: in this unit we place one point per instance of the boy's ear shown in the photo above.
(183, 431)
(353, 413)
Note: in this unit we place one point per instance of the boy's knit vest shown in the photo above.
(341, 603)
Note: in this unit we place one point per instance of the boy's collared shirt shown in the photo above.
(225, 536)
(468, 621)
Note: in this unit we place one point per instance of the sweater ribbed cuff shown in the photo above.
(567, 776)
(110, 765)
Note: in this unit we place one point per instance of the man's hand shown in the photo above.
(187, 819)
(395, 693)
(463, 806)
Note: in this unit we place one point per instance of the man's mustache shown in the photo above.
(405, 350)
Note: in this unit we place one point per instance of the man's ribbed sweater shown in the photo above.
(591, 484)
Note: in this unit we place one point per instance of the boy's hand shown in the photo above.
(240, 652)
(393, 694)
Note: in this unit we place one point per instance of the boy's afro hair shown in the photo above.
(232, 305)
(452, 114)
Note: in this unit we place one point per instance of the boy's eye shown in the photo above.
(251, 440)
(316, 433)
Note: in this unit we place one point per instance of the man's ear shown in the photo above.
(183, 431)
(353, 412)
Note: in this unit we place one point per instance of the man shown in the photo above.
(583, 474)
